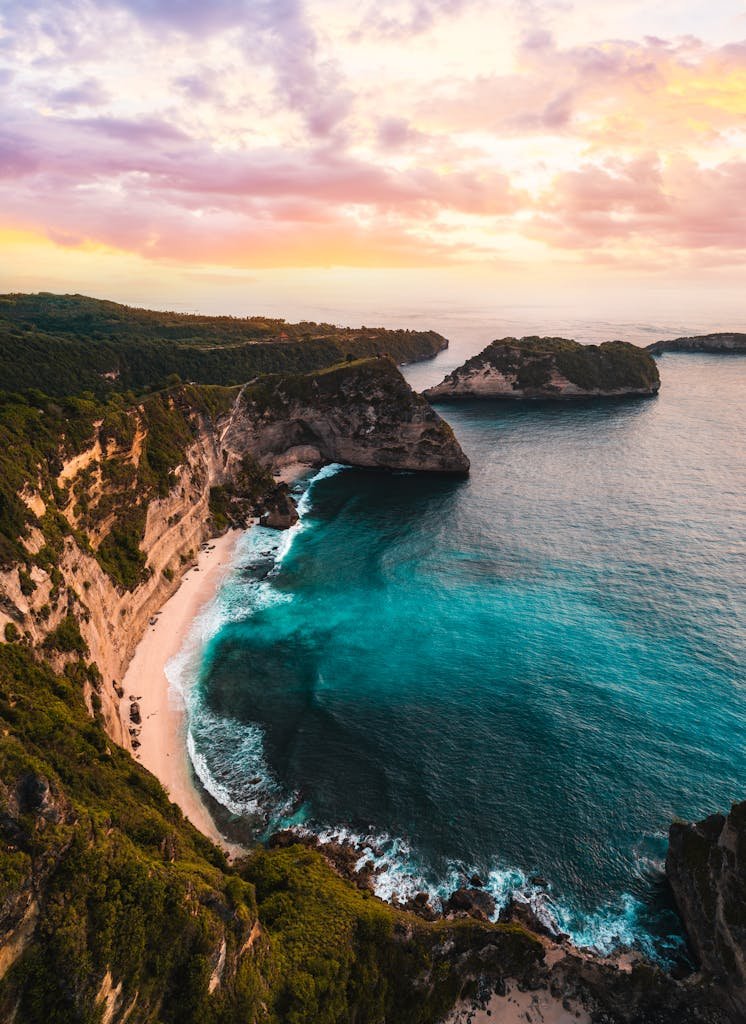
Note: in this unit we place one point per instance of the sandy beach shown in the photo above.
(162, 737)
(517, 1007)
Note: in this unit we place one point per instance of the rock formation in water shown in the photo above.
(361, 413)
(706, 866)
(727, 343)
(552, 368)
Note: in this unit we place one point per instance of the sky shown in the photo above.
(242, 154)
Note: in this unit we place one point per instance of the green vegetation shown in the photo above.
(65, 343)
(129, 887)
(611, 366)
(38, 434)
(353, 380)
(66, 638)
(126, 884)
(342, 955)
(251, 482)
(118, 897)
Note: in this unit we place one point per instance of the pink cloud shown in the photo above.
(676, 206)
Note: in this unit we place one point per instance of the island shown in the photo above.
(727, 343)
(551, 368)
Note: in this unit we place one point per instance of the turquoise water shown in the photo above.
(530, 672)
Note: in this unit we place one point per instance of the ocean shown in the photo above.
(526, 675)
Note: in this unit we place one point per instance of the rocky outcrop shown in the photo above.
(726, 343)
(706, 866)
(473, 902)
(361, 413)
(551, 368)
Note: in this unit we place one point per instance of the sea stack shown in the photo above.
(551, 368)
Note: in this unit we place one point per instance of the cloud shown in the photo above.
(663, 206)
(258, 130)
(617, 92)
(154, 155)
(394, 132)
(275, 33)
(201, 87)
(402, 20)
(145, 131)
(88, 93)
(147, 187)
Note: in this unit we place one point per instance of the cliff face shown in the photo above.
(553, 368)
(361, 413)
(82, 596)
(706, 866)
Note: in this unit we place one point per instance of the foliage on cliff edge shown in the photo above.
(611, 366)
(128, 891)
(63, 343)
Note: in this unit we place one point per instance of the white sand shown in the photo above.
(163, 739)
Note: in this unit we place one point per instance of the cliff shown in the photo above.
(362, 413)
(706, 867)
(112, 907)
(725, 343)
(551, 368)
(110, 513)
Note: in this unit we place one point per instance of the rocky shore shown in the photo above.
(706, 868)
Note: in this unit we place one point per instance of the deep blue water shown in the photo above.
(528, 672)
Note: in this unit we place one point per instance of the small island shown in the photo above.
(728, 343)
(551, 368)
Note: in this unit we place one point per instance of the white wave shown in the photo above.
(399, 876)
(304, 505)
(605, 930)
(236, 773)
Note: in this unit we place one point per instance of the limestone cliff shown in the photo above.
(706, 866)
(551, 368)
(727, 343)
(361, 413)
(107, 541)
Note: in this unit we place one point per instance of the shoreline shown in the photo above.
(162, 737)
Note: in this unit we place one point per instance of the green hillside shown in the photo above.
(62, 344)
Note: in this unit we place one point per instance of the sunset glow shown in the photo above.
(275, 135)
